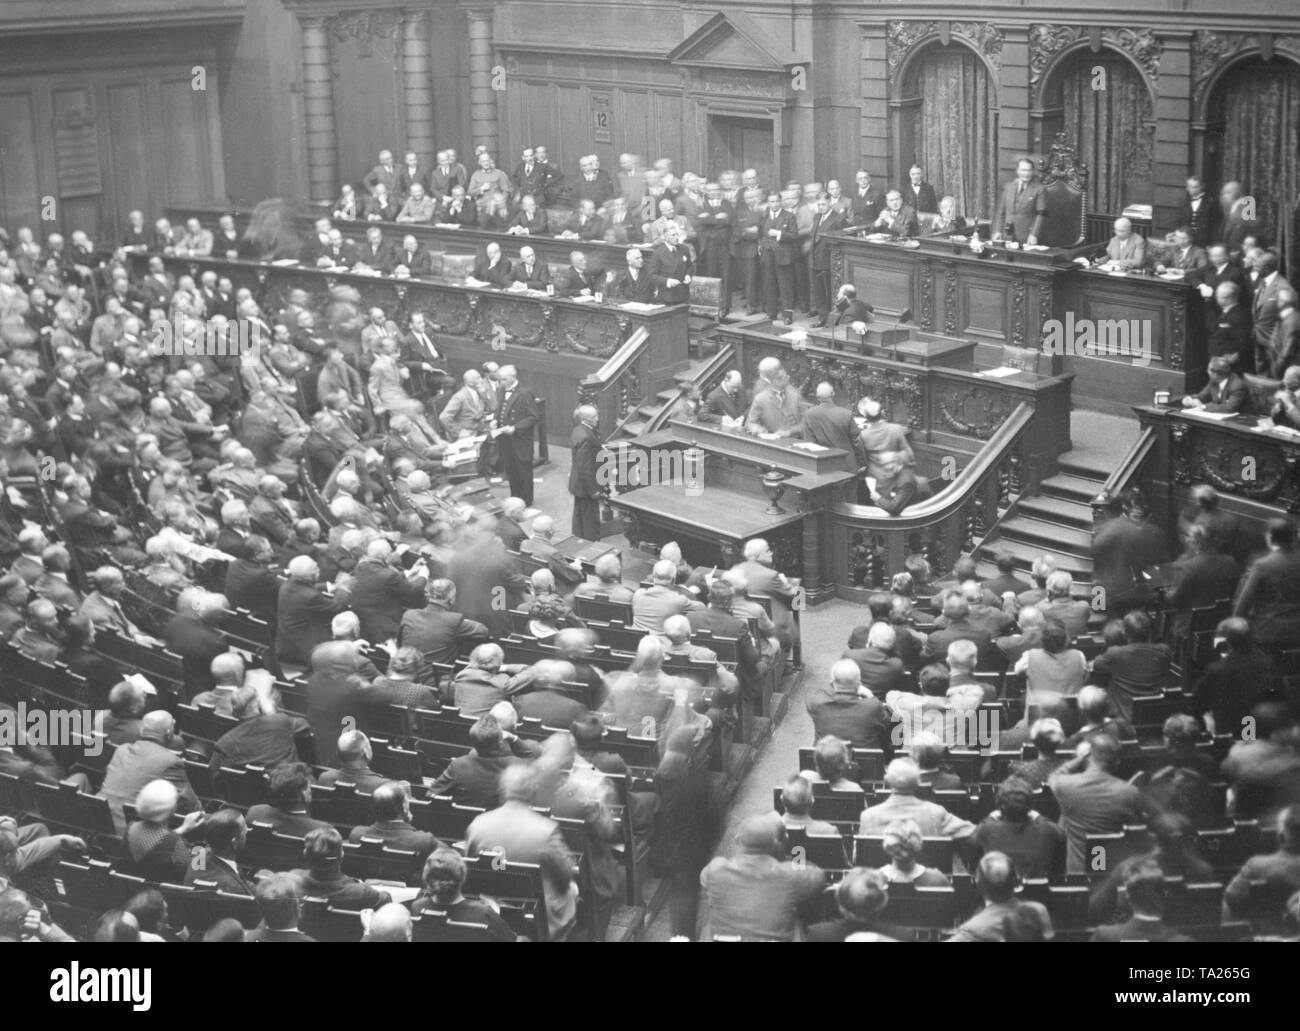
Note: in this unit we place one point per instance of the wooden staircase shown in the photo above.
(653, 412)
(1058, 520)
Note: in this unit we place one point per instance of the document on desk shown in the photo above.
(285, 262)
(1001, 372)
(639, 306)
(1216, 416)
(809, 446)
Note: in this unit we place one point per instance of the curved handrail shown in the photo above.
(1130, 467)
(619, 362)
(710, 369)
(948, 501)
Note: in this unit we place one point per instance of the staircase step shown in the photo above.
(1027, 553)
(1071, 487)
(636, 427)
(1070, 513)
(1068, 540)
(1088, 467)
(665, 395)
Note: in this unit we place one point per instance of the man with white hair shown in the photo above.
(31, 542)
(880, 669)
(832, 426)
(903, 779)
(517, 418)
(143, 761)
(777, 407)
(847, 709)
(539, 544)
(608, 570)
(671, 268)
(584, 470)
(465, 413)
(381, 592)
(340, 670)
(493, 269)
(101, 606)
(897, 487)
(391, 922)
(1073, 614)
(880, 437)
(785, 592)
(652, 605)
(192, 634)
(438, 631)
(1126, 249)
(650, 703)
(303, 613)
(484, 681)
(235, 527)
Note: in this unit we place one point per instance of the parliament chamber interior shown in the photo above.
(710, 471)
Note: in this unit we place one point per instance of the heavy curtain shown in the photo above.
(1261, 145)
(955, 128)
(1112, 128)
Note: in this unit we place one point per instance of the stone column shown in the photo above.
(417, 84)
(482, 97)
(318, 109)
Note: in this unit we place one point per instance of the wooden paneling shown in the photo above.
(20, 189)
(368, 113)
(128, 157)
(184, 150)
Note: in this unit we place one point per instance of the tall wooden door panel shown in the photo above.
(20, 189)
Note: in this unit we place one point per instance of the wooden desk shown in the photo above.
(1007, 297)
(555, 343)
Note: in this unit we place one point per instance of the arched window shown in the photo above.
(947, 122)
(1253, 118)
(1103, 104)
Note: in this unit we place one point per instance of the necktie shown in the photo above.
(1020, 187)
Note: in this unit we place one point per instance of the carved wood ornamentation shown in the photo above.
(972, 410)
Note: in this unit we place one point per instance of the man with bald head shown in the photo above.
(777, 407)
(608, 570)
(492, 268)
(382, 593)
(391, 922)
(1126, 250)
(143, 761)
(652, 605)
(1092, 798)
(832, 426)
(846, 708)
(756, 894)
(996, 880)
(438, 631)
(584, 480)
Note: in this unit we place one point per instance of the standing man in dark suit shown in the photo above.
(744, 249)
(1265, 308)
(714, 225)
(866, 201)
(1200, 213)
(1022, 207)
(411, 173)
(304, 612)
(725, 401)
(778, 235)
(1230, 333)
(584, 482)
(516, 418)
(827, 220)
(671, 268)
(529, 177)
(829, 425)
(918, 194)
(1284, 350)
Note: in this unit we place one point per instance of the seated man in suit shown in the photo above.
(375, 253)
(412, 259)
(726, 404)
(532, 273)
(1127, 250)
(1225, 392)
(381, 206)
(897, 488)
(578, 280)
(1185, 256)
(584, 224)
(634, 283)
(621, 225)
(1286, 402)
(460, 210)
(392, 824)
(418, 207)
(529, 220)
(492, 268)
(897, 218)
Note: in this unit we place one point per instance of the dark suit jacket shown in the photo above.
(1205, 222)
(438, 633)
(850, 717)
(641, 289)
(1230, 331)
(380, 596)
(397, 834)
(381, 259)
(865, 209)
(574, 282)
(1025, 211)
(537, 280)
(905, 222)
(251, 586)
(592, 229)
(473, 779)
(1231, 398)
(345, 254)
(387, 211)
(895, 493)
(406, 178)
(536, 225)
(520, 411)
(466, 216)
(821, 244)
(497, 275)
(720, 403)
(665, 265)
(922, 199)
(1285, 346)
(303, 617)
(881, 673)
(213, 870)
(417, 262)
(197, 644)
(782, 250)
(832, 426)
(584, 461)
